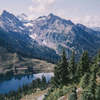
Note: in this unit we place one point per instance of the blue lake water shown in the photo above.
(14, 83)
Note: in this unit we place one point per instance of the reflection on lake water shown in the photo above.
(15, 83)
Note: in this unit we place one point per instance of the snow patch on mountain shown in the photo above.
(28, 24)
(33, 36)
(53, 32)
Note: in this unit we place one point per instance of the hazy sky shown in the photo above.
(81, 11)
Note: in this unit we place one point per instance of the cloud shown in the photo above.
(38, 9)
(0, 12)
(46, 2)
(87, 20)
(41, 6)
(90, 21)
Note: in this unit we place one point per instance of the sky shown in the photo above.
(86, 12)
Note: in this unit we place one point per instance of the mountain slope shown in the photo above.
(24, 45)
(49, 34)
(96, 28)
(58, 33)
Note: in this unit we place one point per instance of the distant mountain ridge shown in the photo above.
(51, 33)
(96, 28)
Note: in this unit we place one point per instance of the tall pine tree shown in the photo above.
(83, 65)
(61, 73)
(44, 82)
(96, 65)
(85, 81)
(93, 84)
(72, 68)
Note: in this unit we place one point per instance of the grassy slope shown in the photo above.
(9, 60)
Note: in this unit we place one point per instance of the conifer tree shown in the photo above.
(98, 58)
(85, 81)
(92, 85)
(97, 63)
(61, 71)
(97, 93)
(56, 80)
(86, 95)
(83, 65)
(72, 69)
(73, 95)
(89, 93)
(43, 81)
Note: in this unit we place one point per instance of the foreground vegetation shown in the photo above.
(72, 80)
(76, 81)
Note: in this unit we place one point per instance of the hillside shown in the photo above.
(25, 46)
(76, 81)
(45, 36)
(9, 61)
(58, 33)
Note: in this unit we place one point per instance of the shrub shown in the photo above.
(84, 81)
(87, 95)
(73, 95)
(97, 93)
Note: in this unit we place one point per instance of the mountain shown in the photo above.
(25, 46)
(9, 22)
(23, 17)
(48, 35)
(58, 33)
(96, 28)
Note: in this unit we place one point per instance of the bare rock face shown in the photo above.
(52, 33)
(57, 33)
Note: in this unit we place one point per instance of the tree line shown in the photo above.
(82, 74)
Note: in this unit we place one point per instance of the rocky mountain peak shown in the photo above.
(53, 32)
(51, 15)
(9, 22)
(51, 18)
(6, 14)
(23, 17)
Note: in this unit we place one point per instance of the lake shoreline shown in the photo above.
(17, 82)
